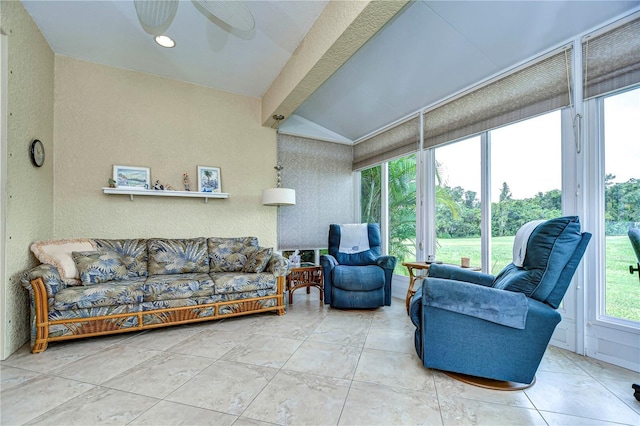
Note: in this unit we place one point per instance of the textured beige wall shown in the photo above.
(106, 116)
(29, 199)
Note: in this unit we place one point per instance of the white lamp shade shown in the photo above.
(278, 197)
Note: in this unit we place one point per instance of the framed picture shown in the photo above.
(209, 179)
(131, 177)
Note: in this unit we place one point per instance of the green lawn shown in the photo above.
(623, 289)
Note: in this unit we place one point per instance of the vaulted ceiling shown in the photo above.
(425, 53)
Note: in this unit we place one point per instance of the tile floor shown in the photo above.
(313, 366)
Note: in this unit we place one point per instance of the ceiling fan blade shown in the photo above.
(232, 12)
(155, 16)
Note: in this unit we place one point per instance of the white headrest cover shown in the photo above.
(521, 240)
(354, 238)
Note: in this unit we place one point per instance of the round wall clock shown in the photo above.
(37, 153)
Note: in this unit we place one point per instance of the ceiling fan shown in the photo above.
(156, 16)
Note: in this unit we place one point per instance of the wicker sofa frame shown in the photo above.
(113, 324)
(130, 285)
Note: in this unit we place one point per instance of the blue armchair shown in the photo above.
(499, 327)
(355, 275)
(634, 236)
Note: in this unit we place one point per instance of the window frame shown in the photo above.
(426, 190)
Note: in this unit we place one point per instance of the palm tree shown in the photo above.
(208, 174)
(370, 195)
(402, 203)
(402, 209)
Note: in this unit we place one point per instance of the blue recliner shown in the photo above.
(355, 275)
(634, 237)
(499, 327)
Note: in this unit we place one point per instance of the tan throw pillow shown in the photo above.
(58, 254)
(258, 260)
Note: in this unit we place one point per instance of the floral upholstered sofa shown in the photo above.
(91, 287)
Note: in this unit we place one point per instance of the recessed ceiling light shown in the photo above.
(164, 41)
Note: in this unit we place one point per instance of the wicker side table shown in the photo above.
(417, 271)
(306, 275)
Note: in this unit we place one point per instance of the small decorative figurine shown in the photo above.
(112, 183)
(157, 186)
(185, 179)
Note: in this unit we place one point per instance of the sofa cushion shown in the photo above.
(58, 254)
(230, 254)
(177, 256)
(183, 286)
(226, 283)
(358, 278)
(133, 253)
(95, 267)
(258, 260)
(554, 239)
(111, 293)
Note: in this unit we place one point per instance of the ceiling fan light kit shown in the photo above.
(165, 41)
(156, 16)
(233, 13)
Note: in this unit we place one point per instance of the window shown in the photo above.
(458, 209)
(622, 202)
(525, 166)
(402, 211)
(526, 178)
(371, 195)
(401, 204)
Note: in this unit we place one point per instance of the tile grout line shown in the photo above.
(344, 403)
(310, 311)
(268, 382)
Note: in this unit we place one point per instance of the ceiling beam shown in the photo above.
(340, 30)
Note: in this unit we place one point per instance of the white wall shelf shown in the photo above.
(152, 192)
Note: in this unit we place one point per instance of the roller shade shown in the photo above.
(320, 172)
(533, 90)
(397, 141)
(611, 61)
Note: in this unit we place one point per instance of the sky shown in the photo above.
(622, 135)
(527, 155)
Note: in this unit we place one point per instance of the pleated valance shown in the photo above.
(394, 142)
(611, 60)
(535, 89)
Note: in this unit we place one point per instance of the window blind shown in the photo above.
(611, 61)
(538, 88)
(320, 172)
(394, 142)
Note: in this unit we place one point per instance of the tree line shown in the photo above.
(458, 211)
(507, 215)
(622, 210)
